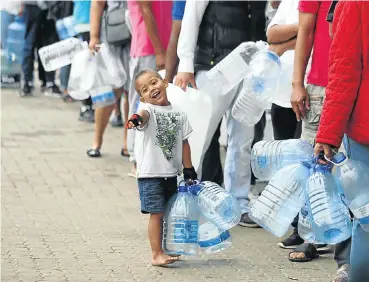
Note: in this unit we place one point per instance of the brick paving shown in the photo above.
(66, 217)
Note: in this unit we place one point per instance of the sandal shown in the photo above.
(94, 153)
(308, 250)
(68, 99)
(124, 153)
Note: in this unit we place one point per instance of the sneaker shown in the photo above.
(116, 121)
(27, 90)
(87, 114)
(343, 273)
(53, 91)
(292, 241)
(246, 221)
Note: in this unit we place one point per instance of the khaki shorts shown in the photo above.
(311, 122)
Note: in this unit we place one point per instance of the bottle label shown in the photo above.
(186, 231)
(362, 214)
(304, 217)
(103, 97)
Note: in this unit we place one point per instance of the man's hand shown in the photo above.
(327, 149)
(94, 44)
(160, 61)
(189, 175)
(300, 101)
(184, 78)
(134, 121)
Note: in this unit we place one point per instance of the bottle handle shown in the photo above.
(336, 164)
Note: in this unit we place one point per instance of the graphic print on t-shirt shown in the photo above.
(168, 127)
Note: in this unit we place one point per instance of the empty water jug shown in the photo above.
(354, 179)
(267, 157)
(282, 199)
(15, 41)
(230, 71)
(211, 239)
(60, 54)
(9, 64)
(258, 88)
(305, 229)
(217, 205)
(330, 217)
(181, 224)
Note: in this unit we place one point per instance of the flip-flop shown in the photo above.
(124, 153)
(94, 153)
(308, 250)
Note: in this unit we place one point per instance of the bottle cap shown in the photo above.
(182, 188)
(323, 167)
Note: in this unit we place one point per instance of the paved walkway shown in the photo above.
(66, 217)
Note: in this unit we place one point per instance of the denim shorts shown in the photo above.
(155, 193)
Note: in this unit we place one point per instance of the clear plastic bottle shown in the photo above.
(331, 221)
(211, 239)
(181, 224)
(230, 71)
(258, 88)
(217, 205)
(60, 54)
(15, 41)
(354, 179)
(281, 199)
(304, 226)
(9, 63)
(267, 157)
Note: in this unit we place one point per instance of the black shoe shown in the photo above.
(87, 114)
(246, 221)
(292, 241)
(53, 91)
(117, 121)
(27, 90)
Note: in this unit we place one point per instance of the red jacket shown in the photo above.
(346, 106)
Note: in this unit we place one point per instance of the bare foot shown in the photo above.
(163, 259)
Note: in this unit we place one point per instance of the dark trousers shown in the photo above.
(40, 32)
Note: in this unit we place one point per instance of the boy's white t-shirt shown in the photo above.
(159, 143)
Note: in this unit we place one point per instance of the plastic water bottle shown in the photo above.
(354, 179)
(102, 96)
(281, 199)
(217, 205)
(9, 63)
(211, 239)
(60, 54)
(258, 88)
(330, 217)
(267, 157)
(181, 224)
(230, 71)
(305, 229)
(15, 41)
(65, 28)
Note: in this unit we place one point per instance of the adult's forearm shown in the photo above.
(96, 12)
(281, 33)
(172, 59)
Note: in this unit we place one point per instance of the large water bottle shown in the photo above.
(282, 199)
(258, 88)
(15, 41)
(230, 71)
(330, 217)
(354, 179)
(217, 205)
(211, 239)
(267, 157)
(9, 64)
(304, 228)
(60, 54)
(181, 224)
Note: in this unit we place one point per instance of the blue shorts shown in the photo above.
(155, 193)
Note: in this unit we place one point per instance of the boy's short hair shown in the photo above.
(141, 73)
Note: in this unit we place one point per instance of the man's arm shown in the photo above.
(282, 33)
(172, 59)
(152, 30)
(280, 48)
(187, 41)
(96, 12)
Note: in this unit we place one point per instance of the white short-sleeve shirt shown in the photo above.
(159, 143)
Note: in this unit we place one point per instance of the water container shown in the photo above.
(15, 41)
(9, 63)
(258, 88)
(330, 217)
(60, 54)
(230, 71)
(354, 179)
(102, 96)
(181, 224)
(305, 229)
(211, 239)
(217, 205)
(65, 28)
(267, 157)
(281, 199)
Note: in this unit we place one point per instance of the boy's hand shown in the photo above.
(189, 175)
(134, 121)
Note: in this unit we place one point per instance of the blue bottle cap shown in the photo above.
(182, 188)
(274, 57)
(339, 158)
(323, 168)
